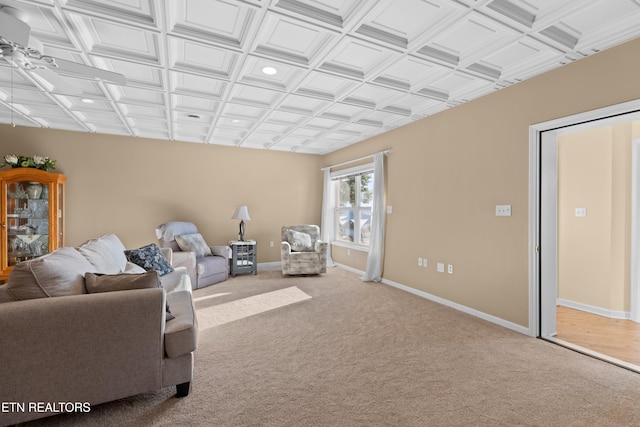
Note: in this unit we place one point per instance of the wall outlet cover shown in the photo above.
(503, 210)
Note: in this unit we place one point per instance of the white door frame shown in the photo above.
(537, 166)
(635, 231)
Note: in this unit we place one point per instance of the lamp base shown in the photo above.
(241, 233)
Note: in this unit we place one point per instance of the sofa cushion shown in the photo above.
(193, 243)
(58, 273)
(299, 241)
(211, 265)
(149, 257)
(181, 334)
(96, 282)
(106, 254)
(133, 268)
(170, 230)
(5, 296)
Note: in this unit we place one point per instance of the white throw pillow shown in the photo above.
(300, 242)
(193, 243)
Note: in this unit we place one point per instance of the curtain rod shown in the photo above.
(385, 151)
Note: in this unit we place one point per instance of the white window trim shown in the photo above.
(350, 245)
(356, 170)
(343, 173)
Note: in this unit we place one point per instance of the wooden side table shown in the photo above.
(243, 257)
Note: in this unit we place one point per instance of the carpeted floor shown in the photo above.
(335, 351)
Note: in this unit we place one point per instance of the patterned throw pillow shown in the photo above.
(300, 242)
(193, 243)
(149, 257)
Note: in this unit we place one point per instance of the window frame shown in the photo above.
(336, 176)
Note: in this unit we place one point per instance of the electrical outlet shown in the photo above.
(270, 243)
(450, 269)
(424, 262)
(419, 262)
(503, 210)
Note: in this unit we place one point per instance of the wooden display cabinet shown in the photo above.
(31, 215)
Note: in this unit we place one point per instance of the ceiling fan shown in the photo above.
(20, 48)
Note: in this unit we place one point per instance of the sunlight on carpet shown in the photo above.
(211, 296)
(235, 310)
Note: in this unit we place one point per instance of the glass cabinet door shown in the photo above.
(31, 215)
(27, 225)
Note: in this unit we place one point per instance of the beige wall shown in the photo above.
(128, 186)
(445, 174)
(594, 172)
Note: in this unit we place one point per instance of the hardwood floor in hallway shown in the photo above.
(618, 338)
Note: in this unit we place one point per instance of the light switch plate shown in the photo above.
(440, 267)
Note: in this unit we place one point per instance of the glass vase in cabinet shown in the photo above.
(31, 215)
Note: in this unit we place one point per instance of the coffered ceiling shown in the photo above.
(346, 70)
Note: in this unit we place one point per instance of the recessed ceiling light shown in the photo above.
(87, 100)
(269, 71)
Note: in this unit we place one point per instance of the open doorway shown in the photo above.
(583, 282)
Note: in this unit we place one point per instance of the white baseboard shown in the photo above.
(459, 307)
(275, 265)
(612, 314)
(351, 269)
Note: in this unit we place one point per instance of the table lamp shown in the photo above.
(241, 213)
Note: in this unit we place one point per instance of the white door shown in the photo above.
(548, 232)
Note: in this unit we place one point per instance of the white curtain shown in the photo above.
(376, 242)
(328, 213)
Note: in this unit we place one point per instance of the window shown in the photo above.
(354, 200)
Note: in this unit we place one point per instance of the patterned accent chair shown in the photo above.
(301, 250)
(206, 264)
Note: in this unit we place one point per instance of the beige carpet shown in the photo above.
(365, 354)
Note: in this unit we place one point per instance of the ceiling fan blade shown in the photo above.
(82, 70)
(54, 82)
(12, 29)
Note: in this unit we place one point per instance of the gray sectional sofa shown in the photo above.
(83, 326)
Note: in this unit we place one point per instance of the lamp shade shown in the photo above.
(241, 213)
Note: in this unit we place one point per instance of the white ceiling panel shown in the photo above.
(190, 137)
(132, 110)
(115, 39)
(226, 23)
(190, 56)
(147, 132)
(191, 84)
(141, 123)
(138, 11)
(285, 38)
(97, 117)
(194, 104)
(134, 95)
(341, 70)
(137, 74)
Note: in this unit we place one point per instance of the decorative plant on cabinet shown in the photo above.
(31, 215)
